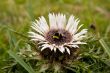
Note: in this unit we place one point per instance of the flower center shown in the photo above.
(58, 36)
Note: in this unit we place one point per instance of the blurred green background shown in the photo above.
(17, 15)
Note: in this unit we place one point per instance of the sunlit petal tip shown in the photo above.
(62, 49)
(68, 51)
(75, 46)
(54, 49)
(51, 49)
(43, 48)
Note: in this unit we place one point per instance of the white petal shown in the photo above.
(43, 24)
(51, 47)
(35, 39)
(82, 32)
(36, 36)
(52, 21)
(75, 43)
(61, 48)
(73, 28)
(76, 29)
(55, 49)
(37, 28)
(61, 21)
(43, 42)
(44, 46)
(70, 22)
(67, 50)
(80, 26)
(79, 38)
(75, 46)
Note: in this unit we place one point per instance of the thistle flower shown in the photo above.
(57, 34)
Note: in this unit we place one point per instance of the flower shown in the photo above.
(58, 33)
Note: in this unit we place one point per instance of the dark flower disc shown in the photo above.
(58, 36)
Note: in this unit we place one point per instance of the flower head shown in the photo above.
(57, 34)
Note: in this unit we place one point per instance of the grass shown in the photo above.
(18, 59)
(104, 45)
(16, 17)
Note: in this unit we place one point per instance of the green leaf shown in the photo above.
(21, 62)
(105, 46)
